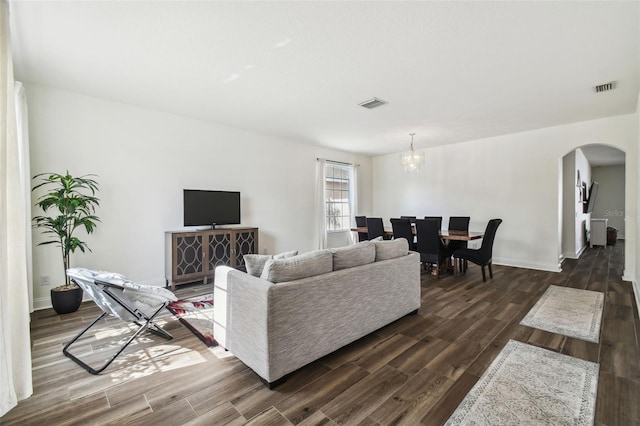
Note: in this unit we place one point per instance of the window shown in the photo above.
(337, 196)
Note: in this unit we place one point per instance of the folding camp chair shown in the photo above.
(123, 299)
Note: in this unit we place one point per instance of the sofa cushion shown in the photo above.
(285, 254)
(255, 262)
(353, 255)
(390, 249)
(298, 267)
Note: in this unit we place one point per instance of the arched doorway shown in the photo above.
(599, 163)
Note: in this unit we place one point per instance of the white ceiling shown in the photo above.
(451, 71)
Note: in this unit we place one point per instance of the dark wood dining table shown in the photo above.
(444, 234)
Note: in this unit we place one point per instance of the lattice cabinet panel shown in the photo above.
(220, 249)
(246, 242)
(193, 256)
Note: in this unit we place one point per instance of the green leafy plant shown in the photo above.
(73, 201)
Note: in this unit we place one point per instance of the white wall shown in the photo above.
(575, 222)
(513, 177)
(144, 159)
(582, 222)
(610, 199)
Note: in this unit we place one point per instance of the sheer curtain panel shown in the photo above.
(321, 205)
(15, 348)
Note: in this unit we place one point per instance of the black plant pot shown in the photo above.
(66, 301)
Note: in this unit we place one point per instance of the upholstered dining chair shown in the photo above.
(429, 245)
(402, 229)
(438, 218)
(412, 219)
(375, 227)
(481, 256)
(458, 223)
(361, 222)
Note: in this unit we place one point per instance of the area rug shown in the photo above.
(568, 311)
(196, 314)
(527, 385)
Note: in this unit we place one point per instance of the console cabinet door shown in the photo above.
(245, 242)
(188, 256)
(220, 249)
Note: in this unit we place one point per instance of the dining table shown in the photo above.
(444, 234)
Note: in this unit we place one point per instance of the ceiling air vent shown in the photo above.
(372, 103)
(605, 87)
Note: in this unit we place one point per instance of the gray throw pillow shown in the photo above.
(354, 255)
(285, 254)
(391, 249)
(298, 267)
(255, 262)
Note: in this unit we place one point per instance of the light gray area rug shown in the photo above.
(527, 385)
(568, 311)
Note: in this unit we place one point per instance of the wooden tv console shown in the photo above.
(193, 255)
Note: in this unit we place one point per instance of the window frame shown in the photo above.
(344, 199)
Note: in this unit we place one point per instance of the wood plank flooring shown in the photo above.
(414, 371)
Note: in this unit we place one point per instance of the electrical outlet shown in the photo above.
(44, 280)
(264, 251)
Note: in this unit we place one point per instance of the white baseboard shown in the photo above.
(551, 267)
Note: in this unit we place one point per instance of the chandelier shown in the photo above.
(412, 160)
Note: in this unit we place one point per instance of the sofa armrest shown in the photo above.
(240, 316)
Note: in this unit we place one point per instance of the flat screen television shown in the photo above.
(211, 207)
(593, 193)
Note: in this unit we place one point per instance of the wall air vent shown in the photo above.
(372, 103)
(605, 87)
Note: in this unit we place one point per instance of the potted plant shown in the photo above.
(73, 201)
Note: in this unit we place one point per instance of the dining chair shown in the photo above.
(438, 218)
(361, 222)
(402, 229)
(429, 245)
(375, 227)
(481, 256)
(458, 223)
(412, 219)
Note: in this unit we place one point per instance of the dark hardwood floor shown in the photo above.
(414, 371)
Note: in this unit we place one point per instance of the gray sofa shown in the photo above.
(304, 307)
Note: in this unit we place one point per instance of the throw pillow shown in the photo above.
(285, 254)
(255, 262)
(391, 249)
(298, 267)
(354, 255)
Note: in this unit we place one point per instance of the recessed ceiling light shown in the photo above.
(372, 103)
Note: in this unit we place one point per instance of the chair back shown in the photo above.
(486, 249)
(412, 219)
(428, 233)
(361, 222)
(438, 218)
(375, 227)
(402, 229)
(459, 223)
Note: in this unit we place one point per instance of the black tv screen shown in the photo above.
(593, 193)
(211, 207)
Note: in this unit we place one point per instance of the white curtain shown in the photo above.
(353, 195)
(321, 205)
(15, 348)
